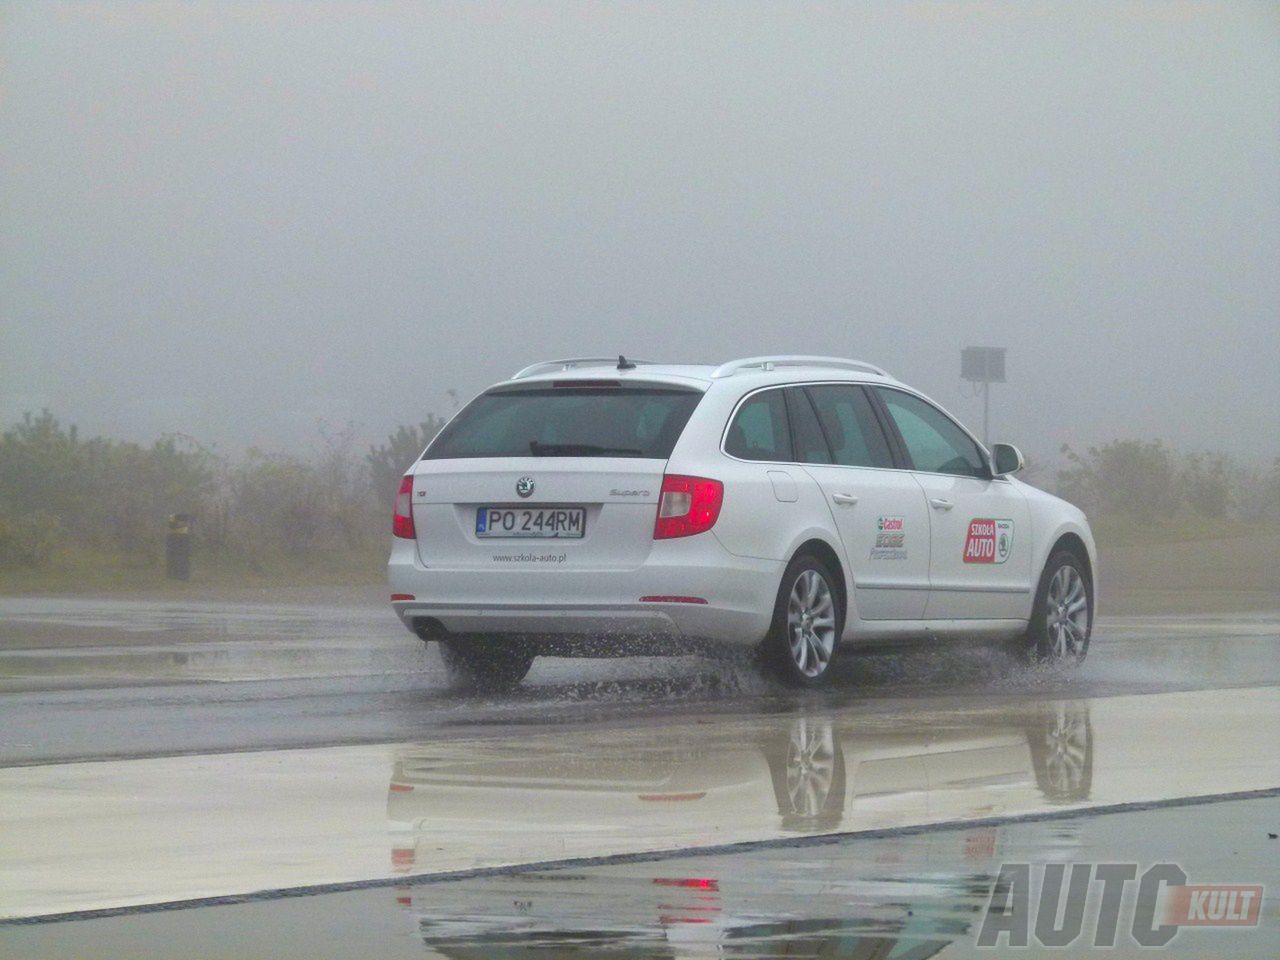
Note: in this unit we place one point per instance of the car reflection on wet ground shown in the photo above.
(819, 771)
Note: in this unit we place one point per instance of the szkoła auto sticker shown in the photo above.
(989, 541)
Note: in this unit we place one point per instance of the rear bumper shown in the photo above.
(565, 602)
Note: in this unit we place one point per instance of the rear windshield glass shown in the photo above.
(568, 422)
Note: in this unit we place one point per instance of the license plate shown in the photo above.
(551, 523)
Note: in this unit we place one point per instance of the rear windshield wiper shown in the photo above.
(580, 450)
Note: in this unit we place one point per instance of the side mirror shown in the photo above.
(1007, 459)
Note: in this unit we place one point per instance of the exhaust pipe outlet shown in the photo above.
(428, 629)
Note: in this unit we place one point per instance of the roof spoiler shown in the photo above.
(549, 366)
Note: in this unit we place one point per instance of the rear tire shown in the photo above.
(485, 663)
(807, 620)
(1062, 614)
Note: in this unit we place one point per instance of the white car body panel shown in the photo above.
(959, 589)
(620, 513)
(593, 586)
(888, 585)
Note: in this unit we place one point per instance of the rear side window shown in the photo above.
(933, 441)
(568, 421)
(759, 430)
(811, 445)
(850, 425)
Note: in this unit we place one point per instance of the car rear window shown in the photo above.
(568, 421)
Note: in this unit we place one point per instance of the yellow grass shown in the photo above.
(92, 573)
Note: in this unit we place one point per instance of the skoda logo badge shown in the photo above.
(524, 486)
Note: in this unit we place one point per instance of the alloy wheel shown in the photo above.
(811, 623)
(1067, 614)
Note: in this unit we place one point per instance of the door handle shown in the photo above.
(939, 504)
(846, 499)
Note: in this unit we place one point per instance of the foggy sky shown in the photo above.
(236, 220)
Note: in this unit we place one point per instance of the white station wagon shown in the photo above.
(799, 505)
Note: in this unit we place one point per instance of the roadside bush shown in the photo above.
(1205, 484)
(106, 494)
(29, 540)
(1130, 477)
(261, 509)
(1256, 492)
(389, 461)
(1146, 481)
(40, 467)
(272, 505)
(140, 487)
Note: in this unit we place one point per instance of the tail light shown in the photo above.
(688, 505)
(402, 522)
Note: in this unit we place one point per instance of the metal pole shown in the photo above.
(986, 413)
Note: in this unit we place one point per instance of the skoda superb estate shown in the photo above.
(799, 505)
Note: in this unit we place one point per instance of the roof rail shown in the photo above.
(768, 363)
(547, 366)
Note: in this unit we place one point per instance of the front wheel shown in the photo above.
(807, 620)
(1062, 615)
(485, 663)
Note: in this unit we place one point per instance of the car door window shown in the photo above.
(759, 430)
(934, 442)
(850, 425)
(811, 445)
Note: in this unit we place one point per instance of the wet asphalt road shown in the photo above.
(85, 679)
